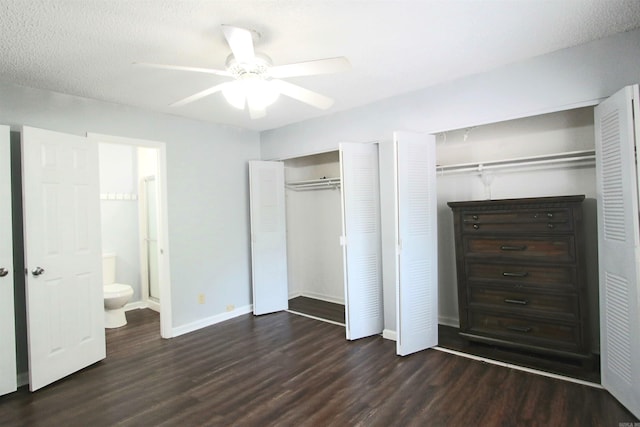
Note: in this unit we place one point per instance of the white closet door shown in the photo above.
(361, 240)
(268, 237)
(618, 245)
(65, 302)
(8, 374)
(416, 237)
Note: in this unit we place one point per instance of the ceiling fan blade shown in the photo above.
(196, 96)
(181, 68)
(304, 95)
(308, 68)
(241, 43)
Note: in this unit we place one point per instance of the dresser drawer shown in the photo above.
(547, 220)
(523, 275)
(536, 332)
(555, 249)
(519, 302)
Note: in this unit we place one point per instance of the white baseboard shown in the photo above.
(449, 321)
(203, 323)
(153, 305)
(322, 297)
(135, 305)
(389, 335)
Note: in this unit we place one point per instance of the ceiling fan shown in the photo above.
(256, 81)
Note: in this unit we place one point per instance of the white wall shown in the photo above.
(119, 216)
(207, 189)
(580, 74)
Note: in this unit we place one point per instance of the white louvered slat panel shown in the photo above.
(268, 201)
(363, 206)
(417, 192)
(617, 318)
(417, 277)
(612, 191)
(616, 126)
(361, 228)
(420, 311)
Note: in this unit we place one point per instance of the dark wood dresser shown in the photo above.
(521, 275)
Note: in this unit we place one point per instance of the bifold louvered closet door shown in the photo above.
(618, 245)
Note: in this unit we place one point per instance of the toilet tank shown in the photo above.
(108, 269)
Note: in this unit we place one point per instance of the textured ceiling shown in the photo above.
(86, 47)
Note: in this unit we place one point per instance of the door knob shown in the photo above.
(37, 271)
(3, 271)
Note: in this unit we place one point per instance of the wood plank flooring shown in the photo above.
(448, 338)
(287, 370)
(318, 308)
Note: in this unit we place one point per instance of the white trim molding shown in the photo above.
(203, 323)
(388, 334)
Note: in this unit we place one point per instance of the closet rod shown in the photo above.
(314, 184)
(578, 158)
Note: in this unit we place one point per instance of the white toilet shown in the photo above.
(116, 295)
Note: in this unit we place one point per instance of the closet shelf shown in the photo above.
(314, 184)
(573, 158)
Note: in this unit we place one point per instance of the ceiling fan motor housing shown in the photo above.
(258, 68)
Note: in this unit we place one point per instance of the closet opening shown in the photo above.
(315, 264)
(540, 156)
(323, 244)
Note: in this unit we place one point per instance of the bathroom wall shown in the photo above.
(119, 210)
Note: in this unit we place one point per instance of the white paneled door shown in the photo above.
(361, 239)
(417, 244)
(8, 374)
(65, 320)
(268, 237)
(617, 126)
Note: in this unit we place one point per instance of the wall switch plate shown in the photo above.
(201, 299)
(231, 307)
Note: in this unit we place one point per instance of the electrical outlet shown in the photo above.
(201, 299)
(231, 307)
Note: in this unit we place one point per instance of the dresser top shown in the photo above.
(522, 201)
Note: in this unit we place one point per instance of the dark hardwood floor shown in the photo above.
(318, 308)
(448, 338)
(288, 370)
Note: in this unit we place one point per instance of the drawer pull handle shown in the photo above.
(515, 273)
(523, 329)
(549, 215)
(476, 226)
(550, 225)
(475, 217)
(516, 301)
(513, 248)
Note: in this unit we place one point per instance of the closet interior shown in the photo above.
(539, 156)
(315, 264)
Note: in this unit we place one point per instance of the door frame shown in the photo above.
(143, 234)
(164, 273)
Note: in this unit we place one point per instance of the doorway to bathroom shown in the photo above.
(134, 221)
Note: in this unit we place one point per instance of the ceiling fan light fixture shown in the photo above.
(252, 89)
(235, 95)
